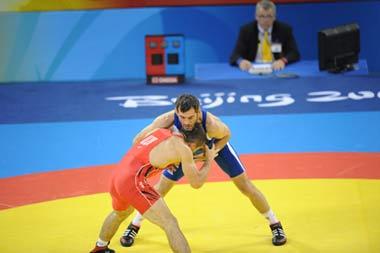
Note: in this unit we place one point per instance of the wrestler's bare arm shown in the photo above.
(196, 177)
(163, 121)
(218, 130)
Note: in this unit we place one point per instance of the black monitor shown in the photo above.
(338, 48)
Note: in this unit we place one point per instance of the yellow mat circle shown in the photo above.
(319, 215)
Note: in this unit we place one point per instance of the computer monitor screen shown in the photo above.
(338, 48)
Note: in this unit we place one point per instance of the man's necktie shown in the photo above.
(266, 47)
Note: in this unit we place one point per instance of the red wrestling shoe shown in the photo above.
(104, 249)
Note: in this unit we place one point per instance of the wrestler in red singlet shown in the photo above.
(128, 184)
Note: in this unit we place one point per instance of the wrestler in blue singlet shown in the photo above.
(227, 158)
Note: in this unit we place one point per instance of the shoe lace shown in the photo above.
(130, 232)
(278, 232)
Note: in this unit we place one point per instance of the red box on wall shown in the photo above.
(164, 59)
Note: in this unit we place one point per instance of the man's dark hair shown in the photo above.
(197, 135)
(187, 101)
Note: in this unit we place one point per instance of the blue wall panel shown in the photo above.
(109, 44)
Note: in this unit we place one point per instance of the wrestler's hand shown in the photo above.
(210, 153)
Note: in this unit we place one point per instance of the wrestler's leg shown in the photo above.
(256, 197)
(261, 204)
(163, 186)
(109, 228)
(229, 162)
(112, 223)
(160, 215)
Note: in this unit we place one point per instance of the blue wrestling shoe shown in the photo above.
(279, 237)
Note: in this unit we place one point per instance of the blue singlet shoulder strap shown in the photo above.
(204, 115)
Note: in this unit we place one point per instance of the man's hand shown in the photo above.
(199, 155)
(245, 65)
(278, 65)
(210, 153)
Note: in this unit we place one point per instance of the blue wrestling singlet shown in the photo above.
(227, 158)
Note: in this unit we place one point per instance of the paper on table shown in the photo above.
(261, 69)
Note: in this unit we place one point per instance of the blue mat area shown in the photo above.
(51, 102)
(40, 147)
(54, 126)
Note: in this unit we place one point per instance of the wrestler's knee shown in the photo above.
(122, 215)
(170, 223)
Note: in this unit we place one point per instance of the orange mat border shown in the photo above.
(39, 187)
